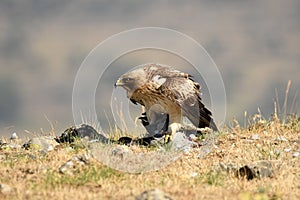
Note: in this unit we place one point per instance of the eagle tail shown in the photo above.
(206, 119)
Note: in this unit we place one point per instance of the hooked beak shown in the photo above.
(119, 82)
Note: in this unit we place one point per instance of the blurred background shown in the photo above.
(255, 44)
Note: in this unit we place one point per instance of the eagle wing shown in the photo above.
(181, 89)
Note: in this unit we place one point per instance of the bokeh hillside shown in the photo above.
(255, 44)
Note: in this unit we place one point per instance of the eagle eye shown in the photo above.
(128, 79)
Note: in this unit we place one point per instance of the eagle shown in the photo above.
(163, 89)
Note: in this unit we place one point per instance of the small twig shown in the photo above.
(285, 101)
(277, 100)
(51, 124)
(293, 106)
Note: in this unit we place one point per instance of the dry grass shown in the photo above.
(33, 175)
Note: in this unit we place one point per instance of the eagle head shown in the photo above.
(132, 80)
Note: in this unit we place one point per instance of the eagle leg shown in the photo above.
(173, 128)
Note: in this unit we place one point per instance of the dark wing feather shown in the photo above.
(180, 88)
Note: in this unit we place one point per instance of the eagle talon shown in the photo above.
(168, 138)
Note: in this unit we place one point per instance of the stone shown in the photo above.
(259, 169)
(287, 149)
(282, 139)
(14, 146)
(43, 143)
(194, 174)
(76, 162)
(14, 136)
(121, 152)
(154, 194)
(255, 137)
(6, 189)
(296, 154)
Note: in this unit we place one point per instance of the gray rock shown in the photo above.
(154, 194)
(296, 154)
(6, 189)
(14, 136)
(74, 163)
(43, 143)
(14, 146)
(287, 149)
(194, 174)
(181, 142)
(282, 139)
(204, 151)
(121, 152)
(255, 137)
(259, 169)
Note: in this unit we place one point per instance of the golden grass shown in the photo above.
(33, 175)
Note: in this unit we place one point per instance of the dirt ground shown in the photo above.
(30, 174)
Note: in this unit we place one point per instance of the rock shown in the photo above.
(6, 189)
(205, 150)
(259, 169)
(14, 146)
(181, 142)
(14, 136)
(287, 149)
(43, 143)
(154, 194)
(296, 154)
(282, 139)
(74, 163)
(192, 137)
(121, 152)
(194, 174)
(255, 137)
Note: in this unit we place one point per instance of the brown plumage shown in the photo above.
(163, 89)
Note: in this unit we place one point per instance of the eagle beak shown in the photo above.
(119, 82)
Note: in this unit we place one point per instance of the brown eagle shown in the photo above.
(163, 89)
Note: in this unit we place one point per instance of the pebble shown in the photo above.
(154, 194)
(287, 149)
(14, 136)
(193, 137)
(255, 137)
(44, 143)
(283, 139)
(74, 163)
(194, 174)
(296, 154)
(181, 142)
(121, 151)
(14, 146)
(258, 169)
(6, 189)
(204, 151)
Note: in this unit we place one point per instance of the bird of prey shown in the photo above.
(163, 89)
